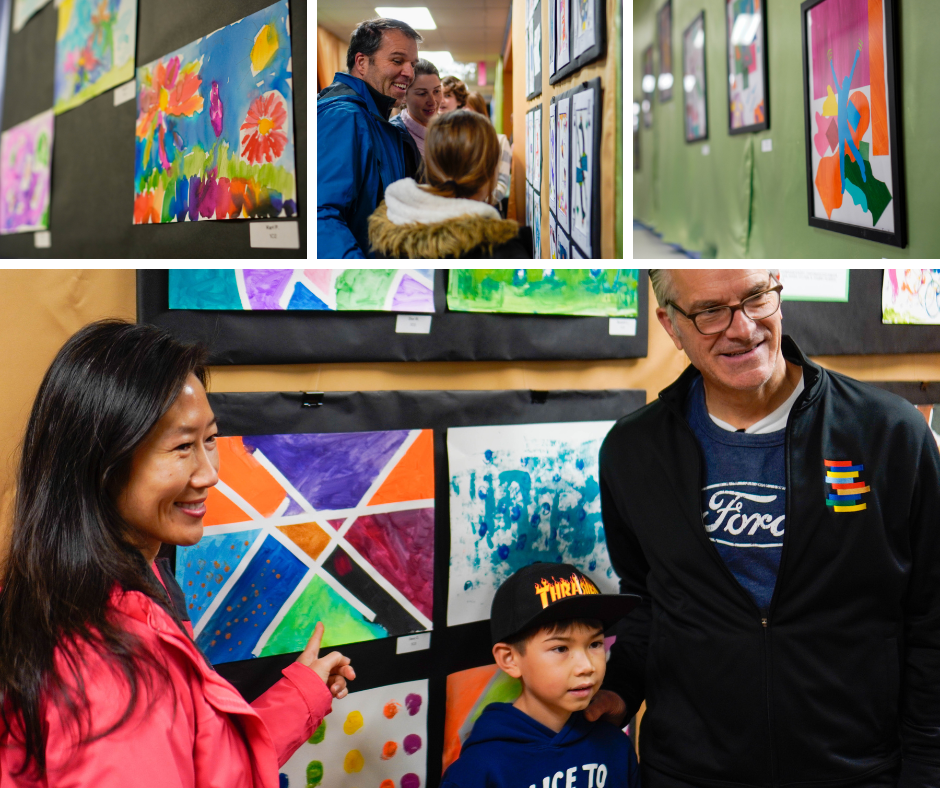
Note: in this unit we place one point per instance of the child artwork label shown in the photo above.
(94, 51)
(911, 296)
(563, 142)
(318, 289)
(215, 126)
(331, 527)
(376, 737)
(25, 166)
(520, 494)
(582, 143)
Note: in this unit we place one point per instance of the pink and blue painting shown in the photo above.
(25, 166)
(331, 527)
(324, 289)
(215, 126)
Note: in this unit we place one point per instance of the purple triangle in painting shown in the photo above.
(265, 286)
(413, 296)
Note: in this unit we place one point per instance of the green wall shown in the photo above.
(741, 202)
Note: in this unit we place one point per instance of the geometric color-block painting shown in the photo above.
(376, 738)
(329, 289)
(331, 527)
(468, 693)
(215, 126)
(848, 82)
(25, 166)
(94, 49)
(598, 292)
(745, 30)
(520, 494)
(911, 296)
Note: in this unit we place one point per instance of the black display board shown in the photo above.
(592, 53)
(92, 208)
(854, 327)
(292, 337)
(452, 648)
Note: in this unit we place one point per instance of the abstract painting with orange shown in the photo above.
(331, 527)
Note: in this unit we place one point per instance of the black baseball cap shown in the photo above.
(543, 593)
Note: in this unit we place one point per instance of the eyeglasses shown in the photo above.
(718, 318)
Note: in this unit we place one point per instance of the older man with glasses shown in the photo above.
(782, 523)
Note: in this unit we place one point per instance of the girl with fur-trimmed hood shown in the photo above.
(448, 217)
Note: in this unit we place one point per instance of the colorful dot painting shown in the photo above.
(372, 747)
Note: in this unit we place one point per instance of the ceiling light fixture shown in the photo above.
(419, 17)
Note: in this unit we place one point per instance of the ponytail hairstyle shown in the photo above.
(461, 153)
(455, 86)
(106, 389)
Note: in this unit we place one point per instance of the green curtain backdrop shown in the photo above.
(741, 202)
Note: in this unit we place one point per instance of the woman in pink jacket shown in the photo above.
(101, 684)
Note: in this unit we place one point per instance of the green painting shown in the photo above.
(583, 292)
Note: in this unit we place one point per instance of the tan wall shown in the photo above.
(42, 309)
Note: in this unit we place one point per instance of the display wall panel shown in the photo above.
(291, 337)
(92, 207)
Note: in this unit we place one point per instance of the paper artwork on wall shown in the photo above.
(583, 163)
(747, 93)
(563, 245)
(94, 52)
(911, 296)
(536, 51)
(331, 527)
(23, 10)
(648, 85)
(25, 167)
(552, 237)
(520, 494)
(536, 225)
(537, 142)
(563, 142)
(552, 164)
(563, 54)
(468, 693)
(814, 284)
(694, 84)
(583, 32)
(376, 737)
(215, 126)
(852, 154)
(529, 146)
(321, 289)
(583, 292)
(552, 14)
(664, 37)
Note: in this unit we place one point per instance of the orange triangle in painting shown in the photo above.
(249, 478)
(220, 510)
(309, 537)
(413, 478)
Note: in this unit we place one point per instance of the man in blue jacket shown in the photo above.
(359, 153)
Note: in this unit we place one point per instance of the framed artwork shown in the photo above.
(563, 245)
(552, 164)
(648, 85)
(552, 237)
(563, 141)
(537, 143)
(585, 184)
(562, 36)
(550, 43)
(664, 38)
(854, 177)
(581, 32)
(748, 103)
(537, 225)
(694, 84)
(636, 134)
(534, 51)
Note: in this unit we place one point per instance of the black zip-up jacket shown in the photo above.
(838, 683)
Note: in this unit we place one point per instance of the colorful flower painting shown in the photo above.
(215, 129)
(25, 162)
(94, 49)
(911, 296)
(323, 289)
(331, 527)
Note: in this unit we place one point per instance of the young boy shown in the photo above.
(547, 623)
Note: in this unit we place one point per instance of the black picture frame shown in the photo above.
(898, 203)
(765, 124)
(698, 20)
(649, 70)
(664, 45)
(595, 234)
(592, 53)
(331, 337)
(536, 18)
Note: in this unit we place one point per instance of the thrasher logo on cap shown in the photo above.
(565, 587)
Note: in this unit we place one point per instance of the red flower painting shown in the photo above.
(166, 91)
(263, 138)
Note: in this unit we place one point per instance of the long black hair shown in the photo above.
(106, 389)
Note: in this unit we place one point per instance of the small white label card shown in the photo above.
(42, 239)
(413, 324)
(767, 145)
(125, 92)
(408, 643)
(622, 327)
(706, 150)
(274, 235)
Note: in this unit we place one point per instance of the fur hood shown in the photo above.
(412, 223)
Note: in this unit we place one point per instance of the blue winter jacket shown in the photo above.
(359, 154)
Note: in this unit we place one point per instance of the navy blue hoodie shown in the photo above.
(509, 749)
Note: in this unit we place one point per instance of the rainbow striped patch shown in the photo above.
(847, 487)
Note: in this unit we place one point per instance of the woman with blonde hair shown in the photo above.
(477, 103)
(455, 95)
(449, 216)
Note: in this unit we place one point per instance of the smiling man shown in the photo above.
(782, 523)
(359, 152)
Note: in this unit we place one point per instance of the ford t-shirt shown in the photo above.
(744, 497)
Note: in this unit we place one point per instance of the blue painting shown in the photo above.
(520, 494)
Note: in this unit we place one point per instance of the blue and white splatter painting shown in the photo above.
(520, 494)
